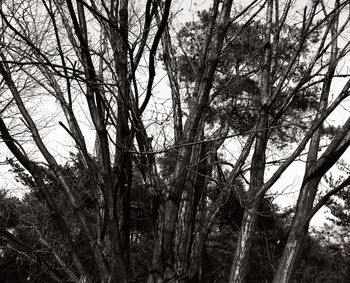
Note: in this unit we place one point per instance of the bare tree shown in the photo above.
(103, 70)
(100, 59)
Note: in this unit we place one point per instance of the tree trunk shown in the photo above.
(199, 234)
(195, 271)
(240, 266)
(240, 263)
(187, 217)
(297, 234)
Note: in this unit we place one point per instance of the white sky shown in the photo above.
(287, 186)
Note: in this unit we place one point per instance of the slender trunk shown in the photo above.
(195, 271)
(122, 163)
(298, 232)
(169, 58)
(240, 263)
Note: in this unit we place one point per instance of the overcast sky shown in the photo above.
(185, 10)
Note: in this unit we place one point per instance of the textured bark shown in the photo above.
(172, 70)
(122, 164)
(239, 268)
(196, 261)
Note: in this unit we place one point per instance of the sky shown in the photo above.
(286, 188)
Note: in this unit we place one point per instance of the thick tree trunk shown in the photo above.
(183, 231)
(195, 271)
(122, 163)
(199, 234)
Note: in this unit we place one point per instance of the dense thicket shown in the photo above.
(322, 258)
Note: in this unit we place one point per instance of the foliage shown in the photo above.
(323, 260)
(236, 86)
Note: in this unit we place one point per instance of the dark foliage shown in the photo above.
(236, 88)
